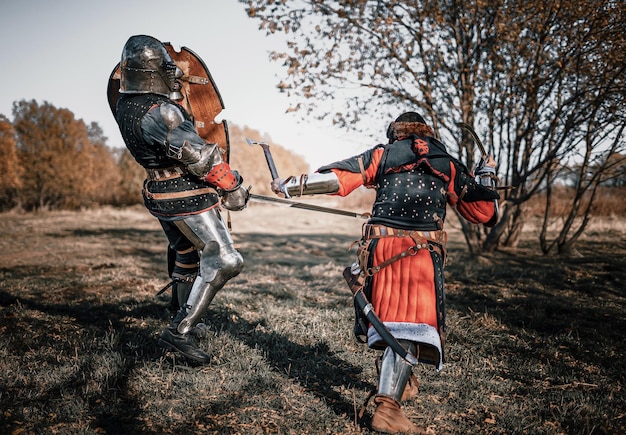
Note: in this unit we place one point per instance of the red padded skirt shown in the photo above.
(404, 291)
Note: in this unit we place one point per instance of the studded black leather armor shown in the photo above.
(170, 191)
(411, 189)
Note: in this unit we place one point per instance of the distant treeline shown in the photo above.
(51, 160)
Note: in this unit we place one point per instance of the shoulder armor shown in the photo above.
(172, 115)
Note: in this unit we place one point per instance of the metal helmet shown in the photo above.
(146, 67)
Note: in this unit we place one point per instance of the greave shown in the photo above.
(196, 305)
(394, 372)
(178, 317)
(219, 262)
(203, 292)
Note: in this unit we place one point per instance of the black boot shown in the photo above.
(184, 344)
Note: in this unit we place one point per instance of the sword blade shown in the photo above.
(472, 133)
(305, 206)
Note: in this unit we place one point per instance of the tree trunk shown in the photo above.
(494, 236)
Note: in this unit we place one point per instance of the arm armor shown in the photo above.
(312, 184)
(203, 160)
(474, 191)
(200, 162)
(181, 134)
(485, 176)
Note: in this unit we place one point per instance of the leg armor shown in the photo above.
(219, 262)
(395, 372)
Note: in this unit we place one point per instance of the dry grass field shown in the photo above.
(536, 345)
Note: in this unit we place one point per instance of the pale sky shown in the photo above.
(63, 52)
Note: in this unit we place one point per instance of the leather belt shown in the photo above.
(181, 194)
(165, 173)
(373, 231)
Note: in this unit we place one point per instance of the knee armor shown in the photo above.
(219, 262)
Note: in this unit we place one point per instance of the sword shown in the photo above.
(270, 161)
(477, 140)
(268, 156)
(305, 206)
(380, 327)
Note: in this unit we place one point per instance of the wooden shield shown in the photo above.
(201, 98)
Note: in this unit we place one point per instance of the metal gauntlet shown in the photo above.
(200, 162)
(237, 199)
(312, 184)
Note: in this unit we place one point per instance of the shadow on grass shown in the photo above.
(69, 353)
(79, 358)
(564, 316)
(316, 368)
(82, 330)
(549, 296)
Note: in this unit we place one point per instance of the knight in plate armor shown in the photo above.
(401, 254)
(187, 180)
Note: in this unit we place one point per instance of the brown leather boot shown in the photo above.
(389, 418)
(411, 389)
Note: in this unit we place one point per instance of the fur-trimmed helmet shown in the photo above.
(146, 67)
(406, 124)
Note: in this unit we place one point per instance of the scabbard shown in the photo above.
(380, 327)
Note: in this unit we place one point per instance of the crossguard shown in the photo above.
(282, 185)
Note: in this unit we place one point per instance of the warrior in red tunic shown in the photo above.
(401, 254)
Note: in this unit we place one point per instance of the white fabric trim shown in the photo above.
(420, 333)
